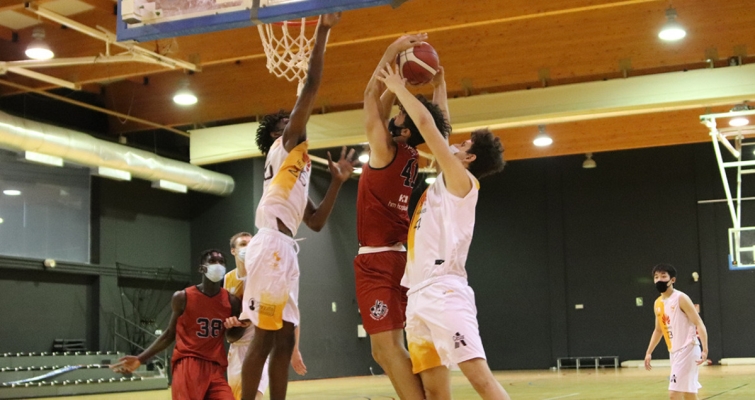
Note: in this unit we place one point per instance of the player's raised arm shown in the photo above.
(295, 131)
(440, 94)
(456, 179)
(316, 216)
(377, 108)
(129, 364)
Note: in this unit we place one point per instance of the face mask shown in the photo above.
(241, 254)
(662, 286)
(394, 130)
(215, 272)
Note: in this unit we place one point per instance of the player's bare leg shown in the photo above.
(280, 358)
(437, 383)
(484, 383)
(254, 362)
(389, 352)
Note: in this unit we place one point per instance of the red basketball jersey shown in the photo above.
(383, 199)
(200, 330)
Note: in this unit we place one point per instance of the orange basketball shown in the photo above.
(418, 65)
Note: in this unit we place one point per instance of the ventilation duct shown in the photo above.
(20, 134)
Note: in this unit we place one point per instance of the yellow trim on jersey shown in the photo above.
(663, 320)
(233, 284)
(424, 356)
(295, 163)
(413, 226)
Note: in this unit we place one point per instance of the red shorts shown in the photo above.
(381, 298)
(197, 379)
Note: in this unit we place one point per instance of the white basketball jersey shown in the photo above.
(286, 189)
(440, 234)
(677, 329)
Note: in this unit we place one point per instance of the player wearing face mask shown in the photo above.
(679, 324)
(201, 314)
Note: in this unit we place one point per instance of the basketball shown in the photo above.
(419, 64)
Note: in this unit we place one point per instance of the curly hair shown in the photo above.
(489, 154)
(207, 254)
(443, 126)
(268, 125)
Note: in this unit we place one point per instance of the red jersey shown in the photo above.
(383, 199)
(200, 330)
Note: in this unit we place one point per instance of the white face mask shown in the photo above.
(241, 253)
(215, 272)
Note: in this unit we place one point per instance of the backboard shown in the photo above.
(145, 20)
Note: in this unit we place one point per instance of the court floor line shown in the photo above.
(725, 391)
(561, 397)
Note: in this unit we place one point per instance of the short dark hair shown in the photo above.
(489, 154)
(207, 253)
(237, 236)
(443, 126)
(667, 268)
(268, 125)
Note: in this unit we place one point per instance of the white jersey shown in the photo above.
(286, 189)
(677, 329)
(439, 235)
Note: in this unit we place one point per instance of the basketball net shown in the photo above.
(288, 46)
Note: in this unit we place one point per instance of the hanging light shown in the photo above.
(364, 157)
(542, 138)
(185, 97)
(431, 178)
(589, 162)
(672, 30)
(740, 120)
(38, 49)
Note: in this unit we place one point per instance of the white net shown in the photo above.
(288, 45)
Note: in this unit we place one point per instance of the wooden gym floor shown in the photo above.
(735, 382)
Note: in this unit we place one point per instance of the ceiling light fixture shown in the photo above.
(11, 192)
(185, 97)
(364, 157)
(672, 30)
(589, 162)
(357, 171)
(431, 178)
(170, 186)
(542, 138)
(38, 48)
(740, 120)
(43, 158)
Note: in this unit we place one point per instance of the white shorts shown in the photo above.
(271, 293)
(236, 354)
(684, 369)
(441, 325)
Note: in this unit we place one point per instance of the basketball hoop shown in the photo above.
(288, 47)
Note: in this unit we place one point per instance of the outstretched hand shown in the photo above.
(408, 41)
(330, 20)
(343, 169)
(391, 78)
(126, 365)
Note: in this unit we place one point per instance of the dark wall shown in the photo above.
(38, 308)
(551, 235)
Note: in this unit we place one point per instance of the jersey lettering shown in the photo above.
(409, 173)
(209, 327)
